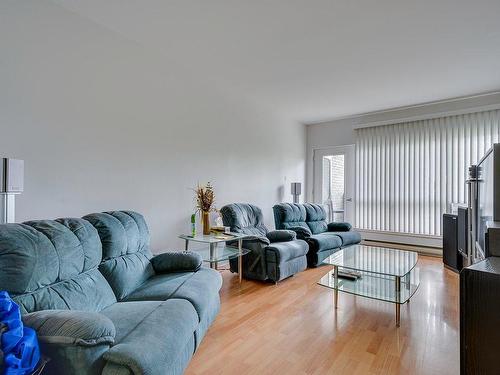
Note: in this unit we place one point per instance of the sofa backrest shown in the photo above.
(244, 218)
(53, 264)
(289, 215)
(307, 215)
(316, 218)
(125, 249)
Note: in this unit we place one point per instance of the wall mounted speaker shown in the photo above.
(296, 188)
(11, 176)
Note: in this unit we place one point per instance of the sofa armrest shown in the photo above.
(302, 232)
(251, 240)
(281, 235)
(71, 328)
(179, 261)
(339, 227)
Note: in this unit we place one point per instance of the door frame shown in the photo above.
(349, 168)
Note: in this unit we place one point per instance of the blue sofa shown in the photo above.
(309, 222)
(100, 302)
(274, 255)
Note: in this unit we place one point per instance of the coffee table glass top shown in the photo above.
(373, 259)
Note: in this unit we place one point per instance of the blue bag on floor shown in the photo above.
(18, 344)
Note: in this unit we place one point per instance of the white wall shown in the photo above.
(104, 124)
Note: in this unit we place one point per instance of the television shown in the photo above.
(487, 199)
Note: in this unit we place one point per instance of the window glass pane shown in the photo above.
(334, 186)
(338, 187)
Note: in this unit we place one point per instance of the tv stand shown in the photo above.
(480, 317)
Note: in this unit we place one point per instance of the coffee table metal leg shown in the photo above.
(408, 283)
(186, 245)
(398, 305)
(240, 259)
(336, 286)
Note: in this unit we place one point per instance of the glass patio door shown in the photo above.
(334, 182)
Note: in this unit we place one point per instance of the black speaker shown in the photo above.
(451, 256)
(492, 239)
(479, 318)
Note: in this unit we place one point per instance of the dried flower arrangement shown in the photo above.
(205, 203)
(205, 198)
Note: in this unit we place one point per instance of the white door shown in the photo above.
(333, 184)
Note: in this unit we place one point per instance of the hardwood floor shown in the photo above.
(292, 328)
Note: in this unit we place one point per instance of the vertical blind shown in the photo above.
(408, 174)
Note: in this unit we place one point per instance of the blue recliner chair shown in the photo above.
(274, 255)
(309, 222)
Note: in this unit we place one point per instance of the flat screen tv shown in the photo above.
(488, 196)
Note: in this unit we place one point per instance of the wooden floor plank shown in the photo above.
(292, 328)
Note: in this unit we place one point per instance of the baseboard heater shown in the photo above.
(426, 250)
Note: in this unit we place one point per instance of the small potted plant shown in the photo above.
(205, 203)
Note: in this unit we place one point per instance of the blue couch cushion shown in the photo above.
(177, 261)
(281, 235)
(348, 238)
(125, 246)
(182, 285)
(285, 269)
(169, 328)
(280, 252)
(339, 226)
(284, 259)
(325, 241)
(52, 264)
(69, 327)
(201, 289)
(316, 218)
(289, 215)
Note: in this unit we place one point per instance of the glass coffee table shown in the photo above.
(213, 255)
(385, 274)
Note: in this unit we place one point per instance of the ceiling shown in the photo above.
(314, 60)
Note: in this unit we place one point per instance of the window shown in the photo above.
(408, 174)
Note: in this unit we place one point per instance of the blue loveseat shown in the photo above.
(309, 222)
(100, 302)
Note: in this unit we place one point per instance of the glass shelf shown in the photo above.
(221, 254)
(376, 286)
(214, 238)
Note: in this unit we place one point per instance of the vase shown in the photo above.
(205, 222)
